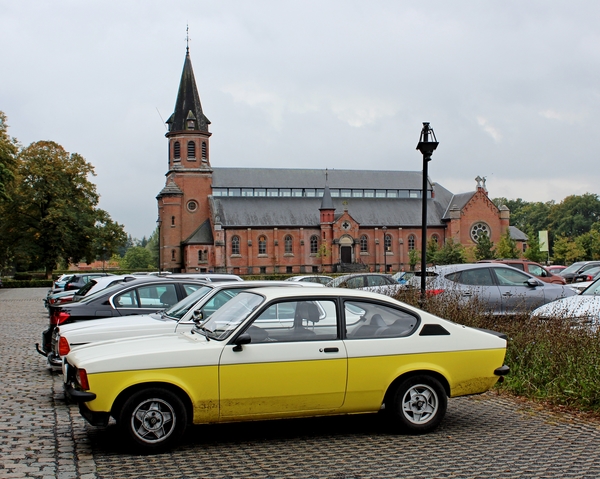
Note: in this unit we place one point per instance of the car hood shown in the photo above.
(160, 351)
(96, 330)
(572, 307)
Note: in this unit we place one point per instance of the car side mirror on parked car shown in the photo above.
(197, 316)
(534, 282)
(243, 338)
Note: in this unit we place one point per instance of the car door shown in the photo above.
(295, 364)
(478, 284)
(515, 291)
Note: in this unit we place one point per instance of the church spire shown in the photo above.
(188, 113)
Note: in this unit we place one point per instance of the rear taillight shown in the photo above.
(81, 377)
(66, 299)
(59, 317)
(63, 346)
(434, 292)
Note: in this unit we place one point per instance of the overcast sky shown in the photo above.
(511, 89)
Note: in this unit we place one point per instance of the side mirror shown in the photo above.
(533, 282)
(243, 338)
(197, 316)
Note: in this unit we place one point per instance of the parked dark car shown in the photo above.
(587, 275)
(141, 296)
(579, 267)
(78, 281)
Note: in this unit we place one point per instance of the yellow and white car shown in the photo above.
(285, 352)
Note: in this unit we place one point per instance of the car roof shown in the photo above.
(316, 291)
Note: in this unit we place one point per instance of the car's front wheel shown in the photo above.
(418, 404)
(153, 419)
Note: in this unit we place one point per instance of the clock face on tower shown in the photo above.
(346, 225)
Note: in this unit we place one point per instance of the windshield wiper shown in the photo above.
(206, 332)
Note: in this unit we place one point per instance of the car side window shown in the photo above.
(157, 296)
(510, 277)
(371, 320)
(477, 277)
(537, 270)
(291, 321)
(376, 281)
(191, 287)
(354, 283)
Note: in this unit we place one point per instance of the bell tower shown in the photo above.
(183, 202)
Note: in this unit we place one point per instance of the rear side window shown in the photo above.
(371, 320)
(476, 277)
(377, 281)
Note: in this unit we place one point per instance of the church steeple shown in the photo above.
(188, 113)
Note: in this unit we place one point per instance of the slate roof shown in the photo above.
(517, 234)
(257, 212)
(170, 189)
(203, 235)
(187, 105)
(315, 178)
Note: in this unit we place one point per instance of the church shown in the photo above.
(297, 221)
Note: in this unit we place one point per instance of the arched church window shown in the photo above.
(314, 244)
(177, 150)
(262, 245)
(235, 245)
(411, 242)
(364, 244)
(191, 147)
(436, 238)
(387, 243)
(288, 244)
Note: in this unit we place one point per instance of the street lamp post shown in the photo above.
(427, 148)
(384, 250)
(158, 223)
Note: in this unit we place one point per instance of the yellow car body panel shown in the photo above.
(467, 372)
(200, 383)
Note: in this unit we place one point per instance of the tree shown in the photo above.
(590, 243)
(137, 257)
(507, 247)
(432, 249)
(533, 253)
(9, 148)
(575, 215)
(451, 253)
(484, 249)
(152, 246)
(109, 236)
(567, 251)
(52, 211)
(414, 256)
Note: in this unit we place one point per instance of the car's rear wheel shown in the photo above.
(418, 404)
(153, 419)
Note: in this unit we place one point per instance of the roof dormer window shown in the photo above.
(190, 121)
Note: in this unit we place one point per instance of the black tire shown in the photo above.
(152, 420)
(418, 404)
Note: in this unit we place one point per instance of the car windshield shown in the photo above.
(227, 318)
(178, 310)
(573, 268)
(592, 290)
(86, 289)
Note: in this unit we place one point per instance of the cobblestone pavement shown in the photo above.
(487, 436)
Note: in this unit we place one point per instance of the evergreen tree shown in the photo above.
(484, 249)
(450, 253)
(507, 247)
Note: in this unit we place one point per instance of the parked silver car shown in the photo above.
(501, 289)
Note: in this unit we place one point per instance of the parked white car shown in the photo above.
(198, 306)
(582, 309)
